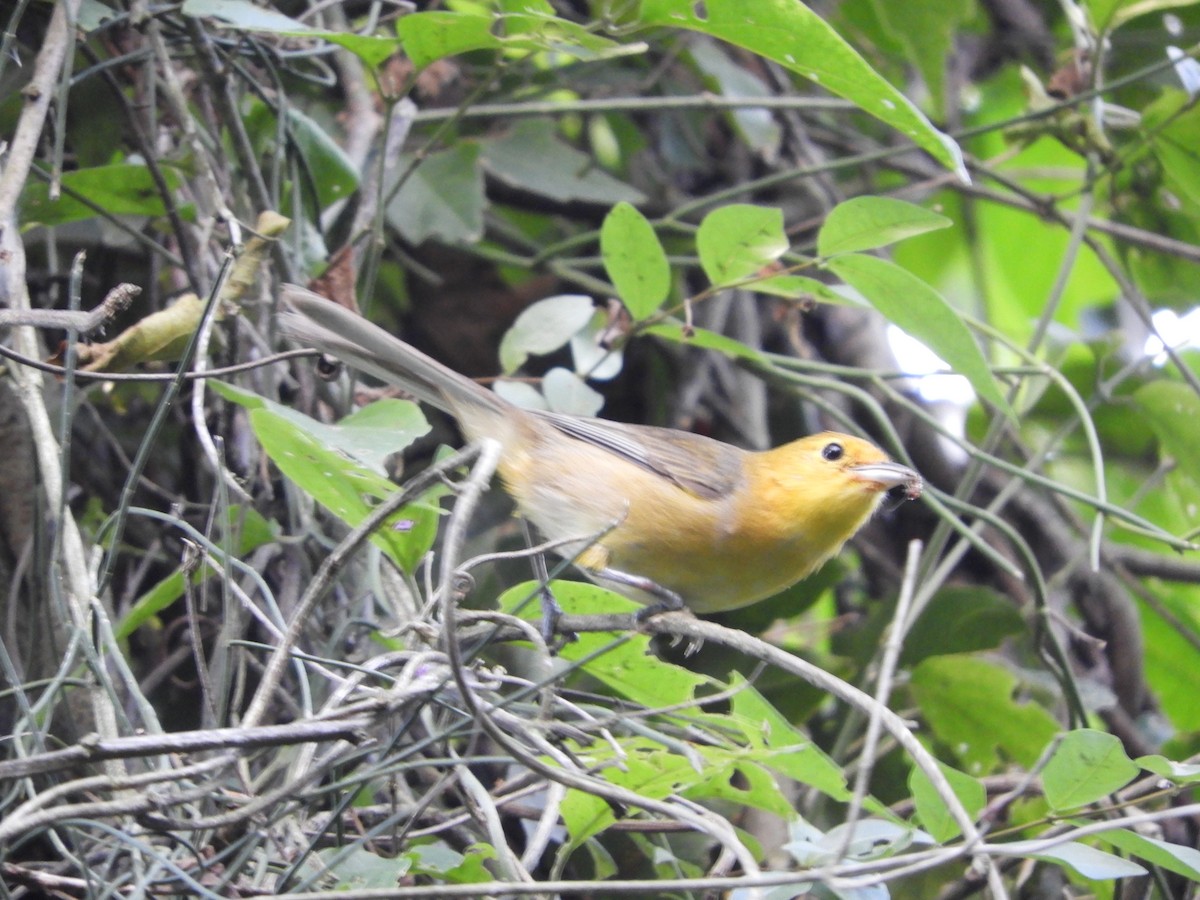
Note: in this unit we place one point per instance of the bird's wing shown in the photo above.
(697, 464)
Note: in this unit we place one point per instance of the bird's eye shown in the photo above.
(832, 452)
(328, 367)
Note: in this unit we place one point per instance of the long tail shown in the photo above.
(330, 328)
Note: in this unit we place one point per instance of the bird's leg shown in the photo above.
(666, 600)
(551, 611)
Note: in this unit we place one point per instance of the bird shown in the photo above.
(669, 518)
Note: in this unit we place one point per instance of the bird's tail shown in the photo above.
(333, 329)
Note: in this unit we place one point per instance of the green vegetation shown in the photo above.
(266, 634)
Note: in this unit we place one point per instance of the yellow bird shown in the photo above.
(661, 515)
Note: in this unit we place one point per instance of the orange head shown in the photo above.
(818, 491)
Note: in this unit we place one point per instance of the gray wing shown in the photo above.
(697, 464)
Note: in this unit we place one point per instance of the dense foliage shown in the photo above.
(246, 650)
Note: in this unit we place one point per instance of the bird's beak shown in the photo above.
(889, 476)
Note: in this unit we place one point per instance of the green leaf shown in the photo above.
(438, 860)
(543, 327)
(798, 757)
(372, 49)
(1179, 162)
(735, 242)
(730, 778)
(795, 37)
(243, 14)
(644, 767)
(864, 223)
(520, 393)
(347, 489)
(914, 306)
(430, 36)
(968, 703)
(356, 868)
(1172, 126)
(334, 175)
(1167, 641)
(247, 16)
(626, 665)
(585, 815)
(960, 619)
(1089, 862)
(601, 859)
(935, 814)
(376, 431)
(655, 772)
(668, 863)
(701, 337)
(472, 869)
(1087, 766)
(370, 434)
(443, 199)
(1172, 410)
(529, 7)
(635, 260)
(926, 29)
(542, 30)
(630, 668)
(327, 169)
(1180, 773)
(758, 127)
(1175, 858)
(150, 604)
(254, 531)
(870, 838)
(803, 288)
(93, 14)
(120, 190)
(1109, 15)
(533, 158)
(566, 392)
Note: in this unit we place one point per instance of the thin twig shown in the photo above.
(901, 622)
(83, 322)
(33, 363)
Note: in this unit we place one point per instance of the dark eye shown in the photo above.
(328, 368)
(832, 452)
